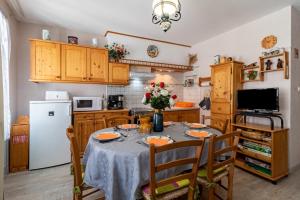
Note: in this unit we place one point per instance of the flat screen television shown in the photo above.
(263, 100)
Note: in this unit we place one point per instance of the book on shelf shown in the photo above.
(258, 163)
(259, 168)
(258, 147)
(241, 147)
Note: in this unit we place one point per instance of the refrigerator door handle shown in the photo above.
(70, 110)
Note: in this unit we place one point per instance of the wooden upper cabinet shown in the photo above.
(45, 61)
(74, 63)
(221, 79)
(97, 69)
(118, 73)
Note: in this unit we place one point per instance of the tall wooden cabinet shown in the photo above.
(225, 79)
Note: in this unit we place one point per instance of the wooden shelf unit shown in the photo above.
(285, 58)
(279, 148)
(260, 76)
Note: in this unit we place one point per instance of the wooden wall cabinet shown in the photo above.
(191, 116)
(226, 80)
(97, 67)
(118, 73)
(45, 61)
(86, 123)
(67, 63)
(74, 63)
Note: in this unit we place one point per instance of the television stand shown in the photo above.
(269, 116)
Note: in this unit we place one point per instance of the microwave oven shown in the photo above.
(87, 103)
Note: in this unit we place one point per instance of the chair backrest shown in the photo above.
(75, 157)
(198, 144)
(214, 153)
(217, 123)
(118, 120)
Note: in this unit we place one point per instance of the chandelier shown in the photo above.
(164, 12)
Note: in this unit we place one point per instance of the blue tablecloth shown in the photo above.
(121, 168)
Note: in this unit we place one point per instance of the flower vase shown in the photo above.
(158, 121)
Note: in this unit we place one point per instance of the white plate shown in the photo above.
(118, 135)
(170, 141)
(131, 126)
(188, 133)
(194, 125)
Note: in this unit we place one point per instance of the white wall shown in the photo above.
(244, 44)
(295, 95)
(168, 53)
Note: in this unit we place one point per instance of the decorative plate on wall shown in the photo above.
(152, 51)
(269, 42)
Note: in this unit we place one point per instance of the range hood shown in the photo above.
(143, 73)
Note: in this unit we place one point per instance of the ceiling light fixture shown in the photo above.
(164, 12)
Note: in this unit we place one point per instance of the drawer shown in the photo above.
(221, 108)
(84, 116)
(110, 114)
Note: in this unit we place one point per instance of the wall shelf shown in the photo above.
(157, 66)
(285, 68)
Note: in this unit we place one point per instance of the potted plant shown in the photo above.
(251, 74)
(159, 97)
(116, 51)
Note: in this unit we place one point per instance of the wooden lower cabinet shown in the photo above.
(191, 116)
(86, 123)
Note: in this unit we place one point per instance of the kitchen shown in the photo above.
(118, 90)
(75, 76)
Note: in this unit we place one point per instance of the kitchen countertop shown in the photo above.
(101, 111)
(127, 110)
(180, 108)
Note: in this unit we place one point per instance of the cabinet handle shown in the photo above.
(57, 77)
(89, 78)
(84, 78)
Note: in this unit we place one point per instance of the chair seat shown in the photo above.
(169, 191)
(218, 175)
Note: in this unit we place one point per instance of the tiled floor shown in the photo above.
(56, 184)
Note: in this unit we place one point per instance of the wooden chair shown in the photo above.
(81, 190)
(216, 123)
(177, 185)
(216, 170)
(118, 120)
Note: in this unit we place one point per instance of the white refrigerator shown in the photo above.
(49, 145)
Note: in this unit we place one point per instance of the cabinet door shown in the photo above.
(171, 116)
(221, 78)
(118, 73)
(45, 61)
(97, 70)
(83, 130)
(191, 116)
(99, 124)
(74, 63)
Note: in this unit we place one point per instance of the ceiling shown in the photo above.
(201, 19)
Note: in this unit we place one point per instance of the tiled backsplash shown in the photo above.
(134, 92)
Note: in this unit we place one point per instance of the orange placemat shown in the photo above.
(107, 136)
(198, 134)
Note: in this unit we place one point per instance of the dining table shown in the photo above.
(121, 167)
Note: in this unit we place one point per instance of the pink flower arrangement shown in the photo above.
(158, 96)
